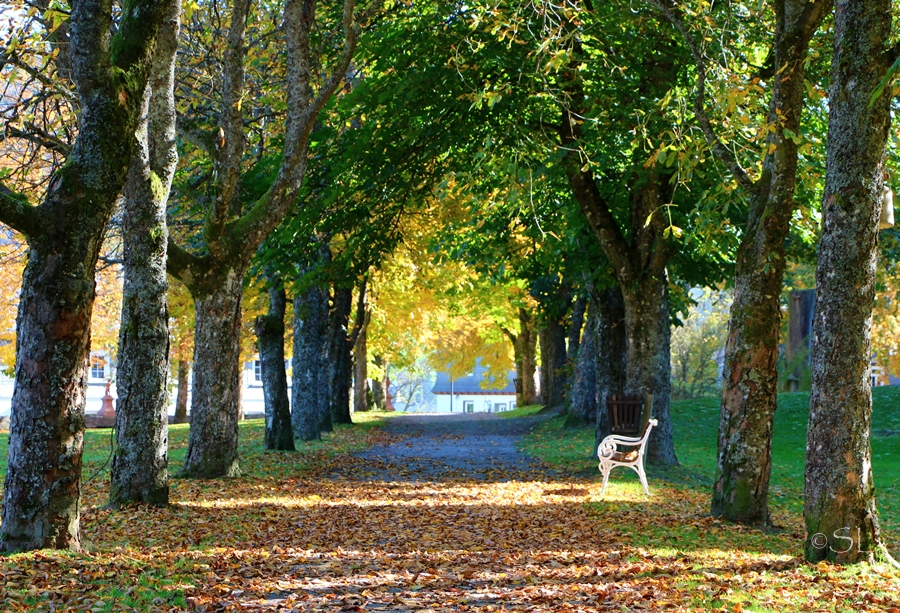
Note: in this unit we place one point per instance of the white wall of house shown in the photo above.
(479, 403)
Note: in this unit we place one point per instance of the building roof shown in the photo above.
(472, 383)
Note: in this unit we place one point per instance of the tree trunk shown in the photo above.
(750, 375)
(611, 353)
(362, 396)
(42, 491)
(181, 400)
(582, 400)
(526, 358)
(312, 380)
(648, 371)
(215, 396)
(553, 361)
(139, 471)
(270, 338)
(340, 357)
(576, 323)
(841, 519)
(378, 395)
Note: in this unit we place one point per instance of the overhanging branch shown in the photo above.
(725, 155)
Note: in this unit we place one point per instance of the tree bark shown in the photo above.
(647, 334)
(270, 338)
(340, 356)
(552, 333)
(215, 396)
(841, 519)
(312, 380)
(378, 396)
(611, 353)
(750, 375)
(362, 395)
(42, 491)
(181, 400)
(139, 471)
(582, 400)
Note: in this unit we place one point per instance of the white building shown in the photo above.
(465, 395)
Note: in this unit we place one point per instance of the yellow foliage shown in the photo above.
(442, 312)
(12, 265)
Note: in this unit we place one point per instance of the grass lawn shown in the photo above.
(695, 424)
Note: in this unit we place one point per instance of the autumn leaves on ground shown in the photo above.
(406, 513)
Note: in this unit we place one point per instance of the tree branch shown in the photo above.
(302, 114)
(17, 212)
(725, 155)
(195, 135)
(184, 265)
(508, 333)
(39, 137)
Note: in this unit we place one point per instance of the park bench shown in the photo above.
(630, 424)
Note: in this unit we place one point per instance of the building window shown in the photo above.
(257, 371)
(499, 407)
(468, 406)
(512, 405)
(98, 367)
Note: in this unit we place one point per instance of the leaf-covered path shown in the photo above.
(441, 515)
(449, 516)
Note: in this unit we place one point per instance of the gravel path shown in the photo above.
(434, 447)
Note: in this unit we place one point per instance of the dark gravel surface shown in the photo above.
(479, 446)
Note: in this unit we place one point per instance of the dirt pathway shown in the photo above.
(452, 517)
(480, 446)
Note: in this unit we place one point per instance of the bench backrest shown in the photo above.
(628, 415)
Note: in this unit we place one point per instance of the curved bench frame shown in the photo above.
(610, 456)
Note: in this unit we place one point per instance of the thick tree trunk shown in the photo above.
(340, 356)
(582, 399)
(42, 491)
(750, 376)
(553, 361)
(648, 371)
(312, 380)
(611, 353)
(270, 338)
(181, 399)
(841, 520)
(215, 395)
(139, 471)
(526, 358)
(378, 396)
(362, 396)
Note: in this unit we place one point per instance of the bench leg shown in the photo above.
(605, 479)
(643, 479)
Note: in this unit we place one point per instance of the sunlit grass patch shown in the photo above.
(523, 411)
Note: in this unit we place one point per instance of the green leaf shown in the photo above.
(888, 77)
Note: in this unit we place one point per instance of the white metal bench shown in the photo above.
(610, 456)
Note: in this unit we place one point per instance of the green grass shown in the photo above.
(695, 425)
(523, 411)
(254, 460)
